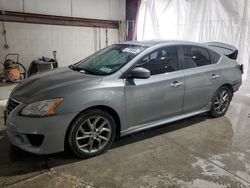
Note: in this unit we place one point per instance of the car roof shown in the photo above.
(150, 43)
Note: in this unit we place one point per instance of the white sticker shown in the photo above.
(105, 69)
(131, 50)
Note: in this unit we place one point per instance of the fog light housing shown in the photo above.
(19, 139)
(35, 139)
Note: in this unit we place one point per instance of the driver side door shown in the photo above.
(161, 95)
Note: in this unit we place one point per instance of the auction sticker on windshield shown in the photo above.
(105, 69)
(131, 50)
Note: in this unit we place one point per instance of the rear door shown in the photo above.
(161, 95)
(201, 77)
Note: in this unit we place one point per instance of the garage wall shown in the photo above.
(96, 9)
(72, 43)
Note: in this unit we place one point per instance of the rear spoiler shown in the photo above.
(223, 48)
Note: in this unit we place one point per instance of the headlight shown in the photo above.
(41, 108)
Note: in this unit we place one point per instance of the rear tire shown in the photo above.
(221, 101)
(91, 133)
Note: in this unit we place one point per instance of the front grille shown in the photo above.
(12, 104)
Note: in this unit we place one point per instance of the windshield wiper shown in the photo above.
(73, 67)
(87, 71)
(82, 70)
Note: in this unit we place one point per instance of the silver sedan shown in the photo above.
(119, 90)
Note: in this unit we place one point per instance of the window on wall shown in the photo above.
(195, 57)
(161, 61)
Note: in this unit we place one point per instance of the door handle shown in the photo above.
(215, 76)
(176, 84)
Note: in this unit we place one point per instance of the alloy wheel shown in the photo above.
(222, 101)
(93, 134)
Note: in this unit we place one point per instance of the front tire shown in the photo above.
(91, 133)
(221, 101)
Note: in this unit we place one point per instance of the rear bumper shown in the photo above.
(38, 135)
(237, 85)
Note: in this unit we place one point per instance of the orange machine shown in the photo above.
(12, 73)
(13, 70)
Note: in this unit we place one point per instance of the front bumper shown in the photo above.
(52, 130)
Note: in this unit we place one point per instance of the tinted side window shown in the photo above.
(161, 61)
(214, 56)
(195, 57)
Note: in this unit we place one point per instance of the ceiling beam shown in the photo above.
(10, 16)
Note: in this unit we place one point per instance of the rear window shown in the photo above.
(214, 56)
(195, 56)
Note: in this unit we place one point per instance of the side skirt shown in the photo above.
(160, 122)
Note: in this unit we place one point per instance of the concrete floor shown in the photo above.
(195, 152)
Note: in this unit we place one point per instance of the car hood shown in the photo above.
(52, 84)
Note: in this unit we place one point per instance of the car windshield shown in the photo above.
(108, 60)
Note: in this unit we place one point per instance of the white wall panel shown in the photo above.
(32, 41)
(51, 7)
(117, 9)
(98, 9)
(11, 5)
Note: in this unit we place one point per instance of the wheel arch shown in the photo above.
(105, 108)
(212, 111)
(229, 86)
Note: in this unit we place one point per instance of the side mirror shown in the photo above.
(139, 72)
